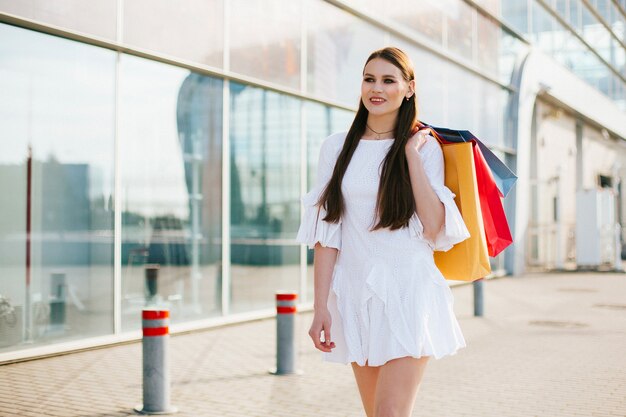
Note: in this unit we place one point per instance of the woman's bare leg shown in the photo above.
(397, 385)
(366, 377)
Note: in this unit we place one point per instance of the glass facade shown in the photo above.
(95, 18)
(170, 153)
(56, 188)
(269, 48)
(112, 169)
(587, 37)
(195, 35)
(264, 194)
(338, 44)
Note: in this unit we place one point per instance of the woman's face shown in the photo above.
(383, 87)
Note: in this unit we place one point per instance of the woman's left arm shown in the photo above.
(429, 207)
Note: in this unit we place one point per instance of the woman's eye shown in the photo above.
(367, 80)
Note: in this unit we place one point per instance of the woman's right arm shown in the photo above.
(325, 239)
(323, 265)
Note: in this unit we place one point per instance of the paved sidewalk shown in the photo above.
(548, 345)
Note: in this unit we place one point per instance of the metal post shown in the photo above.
(478, 297)
(285, 348)
(156, 377)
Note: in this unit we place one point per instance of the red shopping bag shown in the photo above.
(496, 227)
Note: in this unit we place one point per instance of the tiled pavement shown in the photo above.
(548, 345)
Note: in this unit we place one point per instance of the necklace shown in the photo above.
(378, 133)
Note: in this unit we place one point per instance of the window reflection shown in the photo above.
(56, 228)
(97, 17)
(459, 25)
(265, 195)
(488, 45)
(196, 33)
(170, 163)
(269, 47)
(338, 45)
(425, 18)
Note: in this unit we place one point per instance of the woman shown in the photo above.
(377, 213)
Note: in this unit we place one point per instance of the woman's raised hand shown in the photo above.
(418, 140)
(321, 322)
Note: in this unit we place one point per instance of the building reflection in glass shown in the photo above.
(265, 195)
(56, 189)
(170, 157)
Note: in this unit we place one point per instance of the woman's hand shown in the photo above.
(415, 142)
(321, 322)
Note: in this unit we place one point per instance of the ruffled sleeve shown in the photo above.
(313, 228)
(454, 229)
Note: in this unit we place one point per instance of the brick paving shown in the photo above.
(548, 345)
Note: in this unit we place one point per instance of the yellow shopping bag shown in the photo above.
(467, 260)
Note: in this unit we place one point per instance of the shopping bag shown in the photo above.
(497, 230)
(503, 176)
(467, 260)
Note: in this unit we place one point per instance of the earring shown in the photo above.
(407, 99)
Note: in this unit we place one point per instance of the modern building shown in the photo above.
(156, 151)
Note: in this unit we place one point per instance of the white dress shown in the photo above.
(387, 298)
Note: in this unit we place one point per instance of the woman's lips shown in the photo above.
(377, 102)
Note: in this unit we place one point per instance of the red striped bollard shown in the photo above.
(285, 347)
(156, 376)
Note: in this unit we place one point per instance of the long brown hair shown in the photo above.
(395, 203)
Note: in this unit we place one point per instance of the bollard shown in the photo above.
(478, 297)
(156, 377)
(285, 348)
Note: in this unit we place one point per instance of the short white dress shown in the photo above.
(387, 298)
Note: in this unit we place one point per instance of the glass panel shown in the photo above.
(463, 98)
(492, 6)
(604, 9)
(491, 113)
(265, 196)
(566, 48)
(596, 35)
(57, 98)
(427, 19)
(575, 11)
(338, 46)
(543, 28)
(489, 45)
(171, 170)
(515, 13)
(196, 33)
(430, 83)
(561, 8)
(510, 49)
(617, 22)
(94, 17)
(322, 121)
(269, 47)
(459, 24)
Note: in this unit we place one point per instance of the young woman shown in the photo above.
(378, 211)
